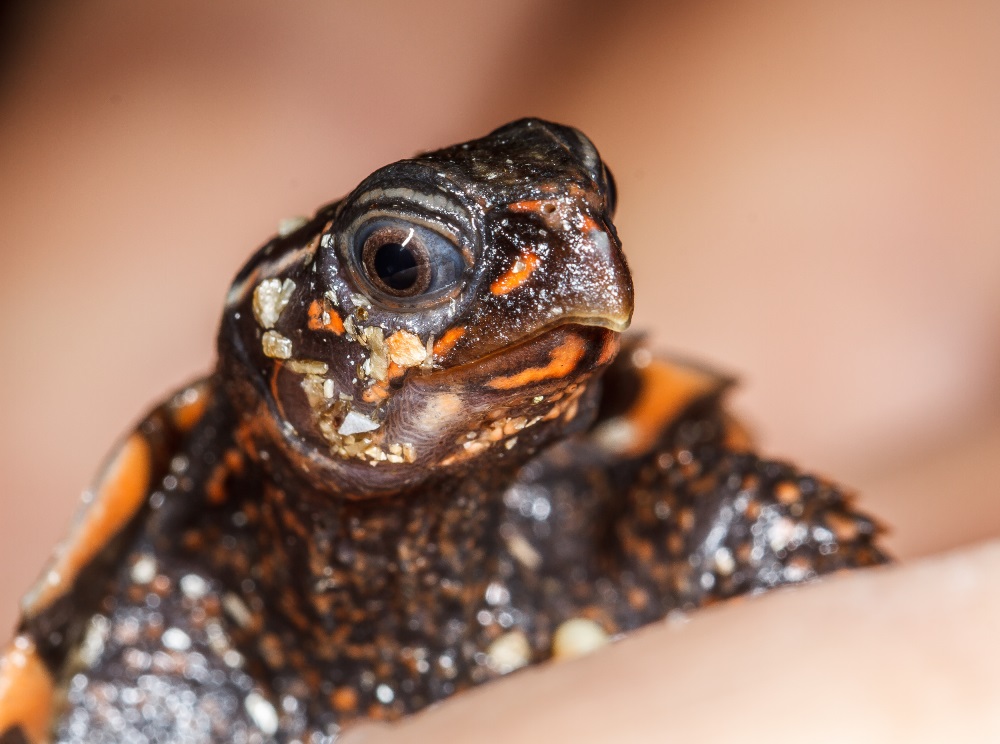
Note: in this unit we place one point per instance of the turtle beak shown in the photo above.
(590, 281)
(554, 262)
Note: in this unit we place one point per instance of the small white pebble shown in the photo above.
(194, 586)
(725, 564)
(577, 637)
(780, 534)
(794, 573)
(497, 593)
(360, 300)
(509, 652)
(270, 298)
(176, 639)
(276, 346)
(356, 423)
(523, 551)
(144, 570)
(262, 713)
(93, 642)
(406, 349)
(237, 609)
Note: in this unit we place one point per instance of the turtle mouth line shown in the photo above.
(587, 333)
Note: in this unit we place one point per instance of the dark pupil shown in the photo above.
(396, 265)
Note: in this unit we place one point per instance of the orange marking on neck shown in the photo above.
(120, 492)
(516, 275)
(562, 362)
(447, 342)
(26, 691)
(332, 322)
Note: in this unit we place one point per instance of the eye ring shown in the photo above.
(404, 263)
(396, 262)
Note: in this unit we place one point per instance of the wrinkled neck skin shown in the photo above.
(336, 553)
(334, 575)
(437, 425)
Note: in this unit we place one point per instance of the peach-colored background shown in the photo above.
(810, 197)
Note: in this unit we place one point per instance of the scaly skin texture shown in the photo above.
(419, 465)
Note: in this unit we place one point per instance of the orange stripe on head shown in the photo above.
(322, 317)
(120, 493)
(612, 343)
(447, 342)
(517, 274)
(530, 205)
(26, 691)
(562, 362)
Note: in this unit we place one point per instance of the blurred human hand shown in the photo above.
(901, 653)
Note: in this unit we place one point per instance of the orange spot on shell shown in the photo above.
(517, 274)
(344, 700)
(563, 361)
(737, 437)
(447, 342)
(331, 322)
(120, 493)
(215, 486)
(667, 389)
(187, 414)
(26, 691)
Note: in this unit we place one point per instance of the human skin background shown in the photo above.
(808, 199)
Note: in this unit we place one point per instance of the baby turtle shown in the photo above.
(425, 459)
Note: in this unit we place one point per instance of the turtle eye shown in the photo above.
(402, 260)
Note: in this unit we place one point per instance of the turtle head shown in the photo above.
(455, 306)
